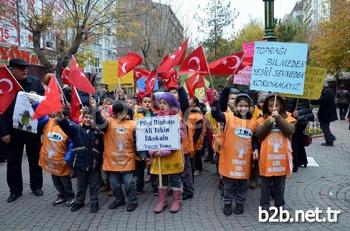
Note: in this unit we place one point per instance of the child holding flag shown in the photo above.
(274, 131)
(87, 150)
(236, 151)
(119, 153)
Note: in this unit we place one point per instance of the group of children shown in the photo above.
(242, 135)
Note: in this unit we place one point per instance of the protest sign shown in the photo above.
(314, 79)
(279, 67)
(109, 71)
(158, 133)
(23, 112)
(243, 76)
(248, 49)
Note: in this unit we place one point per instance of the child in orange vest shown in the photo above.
(236, 151)
(56, 151)
(145, 110)
(173, 159)
(274, 130)
(119, 153)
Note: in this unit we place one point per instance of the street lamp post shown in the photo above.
(269, 21)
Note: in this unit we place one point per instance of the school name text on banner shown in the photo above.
(158, 133)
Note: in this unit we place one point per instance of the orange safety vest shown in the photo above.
(53, 149)
(275, 152)
(193, 118)
(119, 149)
(187, 141)
(236, 151)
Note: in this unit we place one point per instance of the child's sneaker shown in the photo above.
(228, 209)
(116, 204)
(239, 209)
(94, 208)
(131, 207)
(69, 203)
(76, 206)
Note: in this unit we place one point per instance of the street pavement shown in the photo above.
(326, 185)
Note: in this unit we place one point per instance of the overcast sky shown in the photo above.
(186, 9)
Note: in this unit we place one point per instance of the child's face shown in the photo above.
(231, 99)
(261, 104)
(106, 104)
(146, 103)
(243, 107)
(88, 120)
(175, 93)
(163, 106)
(130, 103)
(270, 105)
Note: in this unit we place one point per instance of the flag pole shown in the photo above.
(210, 78)
(13, 77)
(59, 87)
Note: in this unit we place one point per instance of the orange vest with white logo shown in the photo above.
(187, 141)
(236, 151)
(192, 120)
(119, 149)
(53, 149)
(275, 152)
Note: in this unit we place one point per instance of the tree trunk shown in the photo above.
(42, 57)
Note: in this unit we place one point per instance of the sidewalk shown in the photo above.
(325, 186)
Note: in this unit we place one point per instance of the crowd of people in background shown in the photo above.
(255, 139)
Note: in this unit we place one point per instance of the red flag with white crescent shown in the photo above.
(128, 62)
(8, 88)
(195, 62)
(150, 82)
(193, 82)
(227, 65)
(176, 58)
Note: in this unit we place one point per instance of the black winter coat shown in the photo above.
(87, 145)
(327, 110)
(303, 108)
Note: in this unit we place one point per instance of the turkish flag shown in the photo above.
(52, 102)
(150, 82)
(140, 72)
(128, 62)
(8, 88)
(77, 78)
(75, 103)
(176, 58)
(193, 82)
(195, 62)
(170, 79)
(227, 65)
(64, 76)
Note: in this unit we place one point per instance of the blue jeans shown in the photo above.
(116, 179)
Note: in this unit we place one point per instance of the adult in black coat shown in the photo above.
(16, 139)
(326, 114)
(302, 111)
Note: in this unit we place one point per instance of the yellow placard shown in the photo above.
(127, 79)
(314, 78)
(109, 72)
